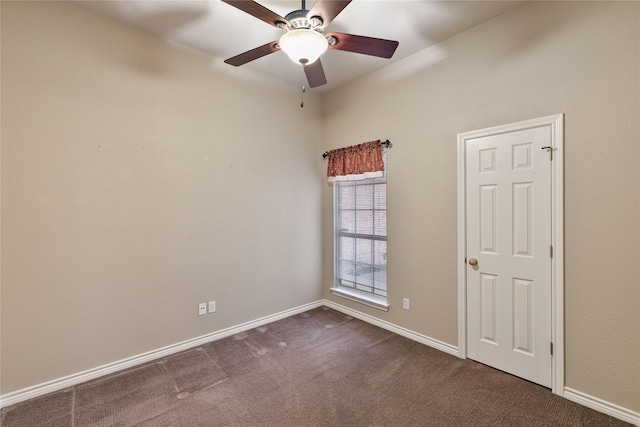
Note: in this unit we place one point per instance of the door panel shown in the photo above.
(488, 218)
(508, 184)
(488, 306)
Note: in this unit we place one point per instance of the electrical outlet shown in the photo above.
(202, 308)
(405, 303)
(212, 306)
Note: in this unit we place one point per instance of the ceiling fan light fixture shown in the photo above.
(303, 46)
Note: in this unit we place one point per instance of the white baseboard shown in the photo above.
(74, 379)
(603, 406)
(423, 339)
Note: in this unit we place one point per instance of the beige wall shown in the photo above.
(132, 189)
(577, 58)
(138, 180)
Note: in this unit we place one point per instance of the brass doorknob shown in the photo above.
(473, 261)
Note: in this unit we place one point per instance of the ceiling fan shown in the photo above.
(304, 39)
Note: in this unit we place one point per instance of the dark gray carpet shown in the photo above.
(319, 368)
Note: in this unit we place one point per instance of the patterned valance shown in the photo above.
(355, 163)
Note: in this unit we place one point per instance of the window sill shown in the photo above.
(363, 298)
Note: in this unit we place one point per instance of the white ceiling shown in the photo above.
(223, 31)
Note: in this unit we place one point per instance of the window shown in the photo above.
(360, 209)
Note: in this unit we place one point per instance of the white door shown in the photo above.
(508, 201)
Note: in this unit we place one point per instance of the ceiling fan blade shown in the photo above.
(315, 74)
(252, 54)
(328, 9)
(257, 10)
(365, 45)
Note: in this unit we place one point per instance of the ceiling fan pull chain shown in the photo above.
(304, 89)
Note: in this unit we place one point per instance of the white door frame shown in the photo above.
(556, 125)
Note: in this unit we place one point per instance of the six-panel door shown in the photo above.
(509, 234)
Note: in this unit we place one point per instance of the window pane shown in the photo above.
(380, 196)
(365, 275)
(348, 222)
(380, 253)
(347, 199)
(380, 223)
(380, 264)
(348, 270)
(363, 251)
(364, 222)
(347, 248)
(364, 196)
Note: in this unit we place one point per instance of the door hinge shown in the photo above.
(551, 251)
(551, 348)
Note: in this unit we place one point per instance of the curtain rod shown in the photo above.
(385, 144)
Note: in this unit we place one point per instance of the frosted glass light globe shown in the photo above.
(303, 46)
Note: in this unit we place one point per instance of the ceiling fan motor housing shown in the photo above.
(299, 19)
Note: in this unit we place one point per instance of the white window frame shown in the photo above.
(346, 291)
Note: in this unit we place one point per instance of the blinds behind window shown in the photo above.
(361, 227)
